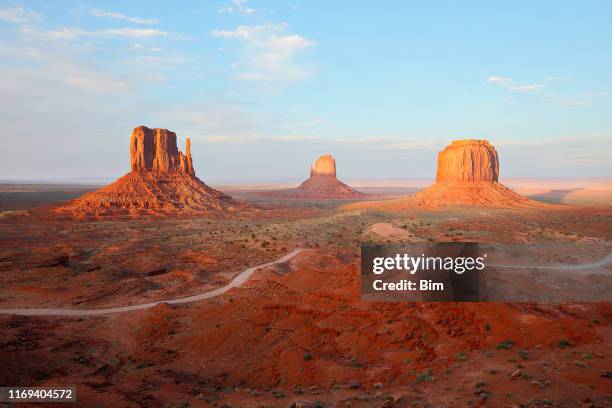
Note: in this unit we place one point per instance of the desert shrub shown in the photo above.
(504, 345)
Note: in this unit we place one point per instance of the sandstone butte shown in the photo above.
(322, 184)
(467, 175)
(162, 179)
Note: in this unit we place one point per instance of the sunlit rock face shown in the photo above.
(324, 166)
(467, 175)
(468, 160)
(162, 179)
(156, 149)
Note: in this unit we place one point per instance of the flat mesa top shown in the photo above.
(470, 141)
(153, 129)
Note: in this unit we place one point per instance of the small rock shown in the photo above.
(354, 385)
(581, 364)
(378, 385)
(516, 374)
(278, 394)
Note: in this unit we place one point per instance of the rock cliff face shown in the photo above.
(156, 149)
(468, 160)
(324, 166)
(162, 180)
(322, 184)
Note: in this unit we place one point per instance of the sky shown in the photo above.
(264, 87)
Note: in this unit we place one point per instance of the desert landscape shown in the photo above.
(96, 294)
(305, 204)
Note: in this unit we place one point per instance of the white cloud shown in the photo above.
(119, 16)
(500, 80)
(19, 15)
(511, 85)
(69, 33)
(131, 32)
(239, 6)
(268, 52)
(49, 72)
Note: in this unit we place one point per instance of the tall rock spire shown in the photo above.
(190, 169)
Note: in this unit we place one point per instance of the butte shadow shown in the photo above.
(162, 180)
(467, 175)
(321, 185)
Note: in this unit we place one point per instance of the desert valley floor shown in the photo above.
(296, 331)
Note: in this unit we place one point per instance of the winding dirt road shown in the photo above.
(239, 280)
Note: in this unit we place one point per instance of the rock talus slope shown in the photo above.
(322, 184)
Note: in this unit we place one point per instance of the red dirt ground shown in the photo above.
(297, 331)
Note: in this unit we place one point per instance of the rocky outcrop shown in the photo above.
(156, 150)
(467, 175)
(324, 166)
(162, 179)
(321, 185)
(468, 160)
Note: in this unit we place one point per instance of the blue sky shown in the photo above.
(264, 87)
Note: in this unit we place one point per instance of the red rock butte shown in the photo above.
(467, 175)
(162, 179)
(322, 183)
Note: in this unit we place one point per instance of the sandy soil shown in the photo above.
(296, 330)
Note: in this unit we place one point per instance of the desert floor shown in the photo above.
(296, 331)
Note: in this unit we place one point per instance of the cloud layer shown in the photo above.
(511, 85)
(120, 16)
(267, 53)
